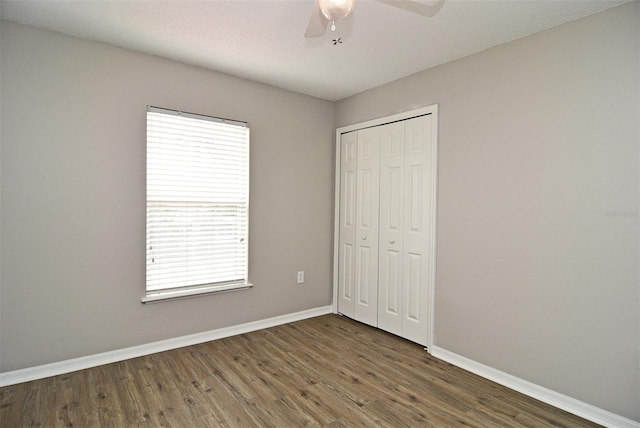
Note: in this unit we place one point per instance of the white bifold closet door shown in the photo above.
(359, 205)
(385, 235)
(405, 228)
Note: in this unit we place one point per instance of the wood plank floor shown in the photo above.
(328, 371)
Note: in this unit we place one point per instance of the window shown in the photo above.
(197, 204)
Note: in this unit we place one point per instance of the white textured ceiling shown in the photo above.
(264, 40)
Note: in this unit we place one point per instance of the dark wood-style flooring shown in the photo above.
(328, 371)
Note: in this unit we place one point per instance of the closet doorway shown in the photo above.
(385, 223)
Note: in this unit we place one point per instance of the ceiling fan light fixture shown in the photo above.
(335, 10)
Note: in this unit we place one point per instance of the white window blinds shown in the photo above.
(197, 200)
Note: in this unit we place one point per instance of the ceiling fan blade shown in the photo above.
(422, 7)
(317, 22)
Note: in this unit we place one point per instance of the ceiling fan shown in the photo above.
(330, 11)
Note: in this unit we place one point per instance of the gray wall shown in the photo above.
(537, 271)
(73, 197)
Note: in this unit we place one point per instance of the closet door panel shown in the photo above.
(417, 223)
(347, 217)
(414, 286)
(347, 276)
(366, 234)
(390, 292)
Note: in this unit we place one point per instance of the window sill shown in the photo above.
(163, 295)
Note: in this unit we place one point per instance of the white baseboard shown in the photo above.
(81, 363)
(545, 395)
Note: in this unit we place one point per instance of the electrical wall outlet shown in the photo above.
(300, 277)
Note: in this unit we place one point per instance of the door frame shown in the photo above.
(431, 281)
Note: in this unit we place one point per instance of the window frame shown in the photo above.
(180, 291)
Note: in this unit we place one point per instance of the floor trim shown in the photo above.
(543, 394)
(81, 363)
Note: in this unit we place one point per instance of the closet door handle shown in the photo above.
(393, 241)
(364, 237)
